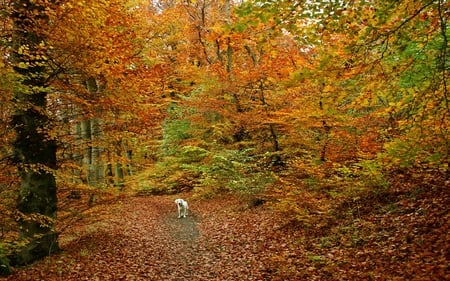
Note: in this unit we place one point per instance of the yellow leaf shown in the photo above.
(22, 65)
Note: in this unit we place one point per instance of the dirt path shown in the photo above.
(141, 239)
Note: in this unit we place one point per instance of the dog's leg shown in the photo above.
(185, 209)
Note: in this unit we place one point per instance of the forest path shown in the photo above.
(141, 238)
(225, 239)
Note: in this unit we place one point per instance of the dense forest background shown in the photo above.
(320, 110)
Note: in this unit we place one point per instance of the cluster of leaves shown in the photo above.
(185, 164)
(336, 92)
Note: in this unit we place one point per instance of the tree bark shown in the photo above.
(87, 149)
(34, 149)
(90, 135)
(120, 179)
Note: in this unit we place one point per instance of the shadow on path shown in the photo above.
(182, 229)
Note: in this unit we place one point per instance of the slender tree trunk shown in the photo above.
(276, 159)
(109, 173)
(91, 134)
(77, 155)
(34, 150)
(120, 174)
(326, 130)
(87, 149)
(130, 162)
(96, 165)
(120, 182)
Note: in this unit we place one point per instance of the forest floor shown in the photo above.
(141, 238)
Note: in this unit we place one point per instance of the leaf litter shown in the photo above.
(141, 238)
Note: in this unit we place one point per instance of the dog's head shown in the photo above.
(179, 202)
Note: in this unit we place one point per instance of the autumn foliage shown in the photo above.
(316, 131)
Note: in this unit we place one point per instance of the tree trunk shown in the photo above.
(276, 158)
(119, 171)
(97, 167)
(87, 150)
(90, 134)
(34, 149)
(77, 154)
(130, 162)
(120, 179)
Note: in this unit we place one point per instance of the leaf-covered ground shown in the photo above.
(140, 238)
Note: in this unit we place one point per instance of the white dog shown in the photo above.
(182, 208)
